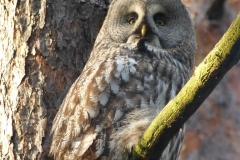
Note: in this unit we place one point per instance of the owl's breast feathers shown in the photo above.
(108, 88)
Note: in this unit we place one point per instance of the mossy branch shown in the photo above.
(205, 78)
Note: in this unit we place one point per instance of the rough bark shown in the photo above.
(205, 78)
(44, 46)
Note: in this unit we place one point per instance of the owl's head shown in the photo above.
(164, 23)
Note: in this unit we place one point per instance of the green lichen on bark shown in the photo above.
(206, 76)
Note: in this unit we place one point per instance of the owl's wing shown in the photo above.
(84, 112)
(73, 129)
(70, 121)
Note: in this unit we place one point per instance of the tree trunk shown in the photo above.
(44, 46)
(216, 10)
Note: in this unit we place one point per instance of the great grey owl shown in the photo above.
(142, 57)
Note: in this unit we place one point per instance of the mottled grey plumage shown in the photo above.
(142, 57)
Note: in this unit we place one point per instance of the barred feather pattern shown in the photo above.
(113, 102)
(126, 82)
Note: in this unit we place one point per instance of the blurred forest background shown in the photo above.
(213, 132)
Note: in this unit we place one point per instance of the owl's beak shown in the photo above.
(144, 30)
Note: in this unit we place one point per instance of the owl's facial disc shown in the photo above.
(143, 23)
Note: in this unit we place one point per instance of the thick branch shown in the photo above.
(205, 78)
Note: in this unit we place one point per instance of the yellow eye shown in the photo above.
(160, 21)
(132, 20)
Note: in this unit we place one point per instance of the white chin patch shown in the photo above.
(133, 39)
(156, 42)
